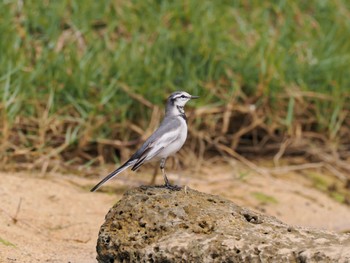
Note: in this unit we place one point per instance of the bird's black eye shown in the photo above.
(183, 96)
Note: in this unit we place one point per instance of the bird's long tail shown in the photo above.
(112, 174)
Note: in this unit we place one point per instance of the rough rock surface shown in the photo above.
(155, 224)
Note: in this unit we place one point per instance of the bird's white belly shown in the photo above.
(176, 145)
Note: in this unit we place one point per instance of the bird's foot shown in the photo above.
(172, 187)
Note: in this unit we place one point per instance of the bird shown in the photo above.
(164, 142)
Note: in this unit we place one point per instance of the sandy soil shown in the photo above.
(59, 219)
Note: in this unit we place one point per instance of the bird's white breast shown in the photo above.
(176, 145)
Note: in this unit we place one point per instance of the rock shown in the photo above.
(154, 224)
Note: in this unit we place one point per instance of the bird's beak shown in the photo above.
(194, 97)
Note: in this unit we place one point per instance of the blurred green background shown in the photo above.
(76, 73)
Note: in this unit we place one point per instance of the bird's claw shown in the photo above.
(172, 187)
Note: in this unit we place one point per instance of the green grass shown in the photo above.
(319, 181)
(6, 243)
(264, 198)
(330, 186)
(339, 197)
(63, 66)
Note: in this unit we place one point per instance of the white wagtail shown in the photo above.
(165, 141)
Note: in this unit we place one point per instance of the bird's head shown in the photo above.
(180, 98)
(177, 101)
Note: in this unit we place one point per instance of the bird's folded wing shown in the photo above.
(142, 159)
(156, 146)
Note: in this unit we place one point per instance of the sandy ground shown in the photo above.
(58, 219)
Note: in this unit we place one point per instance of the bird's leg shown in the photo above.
(162, 166)
(167, 183)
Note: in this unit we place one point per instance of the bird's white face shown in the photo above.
(181, 98)
(177, 101)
